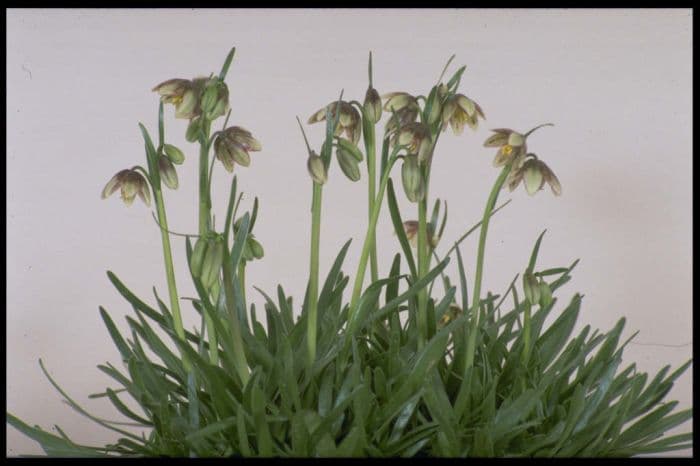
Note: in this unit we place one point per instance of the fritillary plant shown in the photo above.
(390, 361)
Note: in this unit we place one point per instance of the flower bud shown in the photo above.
(545, 294)
(256, 248)
(167, 172)
(214, 99)
(348, 164)
(174, 154)
(193, 130)
(372, 105)
(350, 149)
(531, 288)
(317, 169)
(213, 259)
(197, 257)
(412, 179)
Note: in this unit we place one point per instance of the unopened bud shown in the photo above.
(317, 169)
(212, 262)
(412, 180)
(531, 288)
(174, 154)
(348, 164)
(350, 148)
(167, 172)
(373, 105)
(258, 251)
(197, 258)
(545, 294)
(193, 129)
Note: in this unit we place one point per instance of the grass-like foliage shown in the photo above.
(408, 365)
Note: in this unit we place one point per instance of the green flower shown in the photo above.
(131, 183)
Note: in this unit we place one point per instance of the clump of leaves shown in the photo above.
(398, 370)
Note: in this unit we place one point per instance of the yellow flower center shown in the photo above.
(507, 149)
(176, 99)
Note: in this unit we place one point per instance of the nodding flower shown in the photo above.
(458, 110)
(416, 136)
(410, 228)
(349, 120)
(131, 183)
(184, 94)
(534, 173)
(233, 145)
(511, 145)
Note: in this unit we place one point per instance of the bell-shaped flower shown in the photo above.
(416, 136)
(534, 173)
(183, 93)
(233, 145)
(511, 145)
(131, 183)
(349, 120)
(458, 110)
(395, 101)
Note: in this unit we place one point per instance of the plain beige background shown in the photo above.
(617, 84)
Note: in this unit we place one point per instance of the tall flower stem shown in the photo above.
(423, 259)
(370, 150)
(204, 228)
(239, 359)
(490, 203)
(170, 269)
(313, 272)
(366, 246)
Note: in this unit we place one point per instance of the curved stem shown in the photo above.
(362, 266)
(536, 128)
(471, 342)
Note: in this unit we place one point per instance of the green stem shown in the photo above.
(170, 270)
(239, 359)
(204, 227)
(313, 271)
(422, 271)
(471, 342)
(527, 330)
(370, 149)
(362, 266)
(241, 278)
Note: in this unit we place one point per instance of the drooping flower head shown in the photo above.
(511, 145)
(131, 183)
(458, 110)
(349, 120)
(233, 145)
(416, 136)
(534, 173)
(184, 94)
